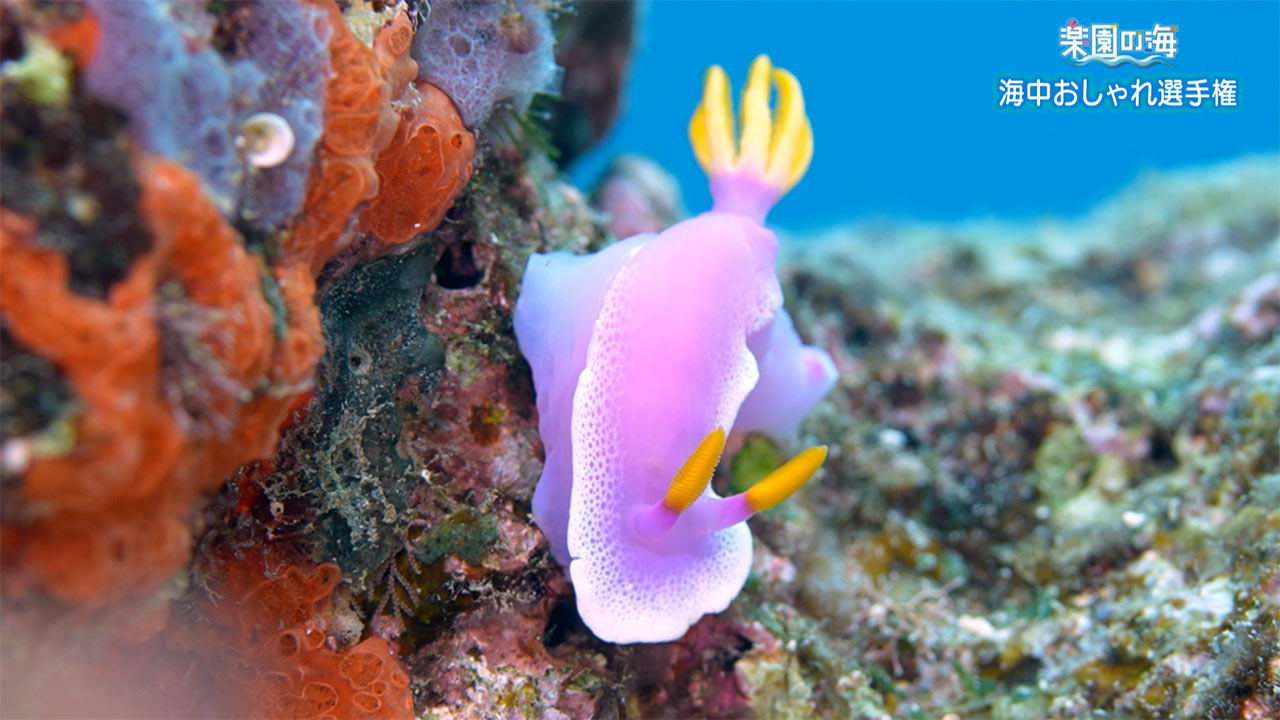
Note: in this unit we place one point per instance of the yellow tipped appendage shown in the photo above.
(775, 148)
(781, 483)
(649, 523)
(693, 477)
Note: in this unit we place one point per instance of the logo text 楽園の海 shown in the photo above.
(1111, 46)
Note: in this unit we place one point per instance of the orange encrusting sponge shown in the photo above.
(281, 662)
(111, 517)
(422, 171)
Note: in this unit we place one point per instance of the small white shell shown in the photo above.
(266, 140)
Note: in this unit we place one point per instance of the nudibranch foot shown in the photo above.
(748, 176)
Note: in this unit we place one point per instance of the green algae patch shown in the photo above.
(758, 457)
(462, 534)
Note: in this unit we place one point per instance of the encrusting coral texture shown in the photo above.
(343, 175)
(373, 112)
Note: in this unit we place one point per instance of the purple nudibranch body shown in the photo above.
(646, 354)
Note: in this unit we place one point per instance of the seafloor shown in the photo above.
(269, 444)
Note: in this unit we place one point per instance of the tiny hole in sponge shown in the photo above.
(367, 702)
(359, 361)
(314, 639)
(317, 698)
(287, 644)
(361, 669)
(277, 683)
(456, 140)
(12, 45)
(457, 267)
(560, 622)
(327, 576)
(119, 549)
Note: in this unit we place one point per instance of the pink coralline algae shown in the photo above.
(650, 351)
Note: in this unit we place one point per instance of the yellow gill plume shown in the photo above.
(775, 147)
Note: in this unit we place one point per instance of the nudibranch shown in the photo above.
(646, 354)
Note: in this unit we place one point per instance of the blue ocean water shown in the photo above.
(903, 100)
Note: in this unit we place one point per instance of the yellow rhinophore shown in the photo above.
(781, 483)
(694, 476)
(775, 148)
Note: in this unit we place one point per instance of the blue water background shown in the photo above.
(903, 100)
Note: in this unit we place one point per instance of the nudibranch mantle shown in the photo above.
(644, 355)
